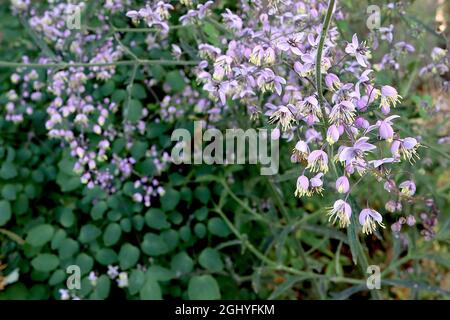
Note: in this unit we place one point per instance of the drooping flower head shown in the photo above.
(408, 188)
(332, 82)
(342, 212)
(332, 134)
(317, 183)
(342, 113)
(369, 218)
(405, 147)
(301, 151)
(342, 184)
(302, 187)
(389, 98)
(283, 116)
(318, 161)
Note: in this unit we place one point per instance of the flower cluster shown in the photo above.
(269, 64)
(342, 132)
(88, 125)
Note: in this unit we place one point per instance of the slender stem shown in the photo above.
(257, 216)
(274, 265)
(323, 35)
(12, 236)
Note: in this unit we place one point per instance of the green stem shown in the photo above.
(323, 35)
(274, 265)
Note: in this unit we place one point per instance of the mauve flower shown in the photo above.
(396, 227)
(317, 183)
(410, 220)
(267, 80)
(389, 185)
(301, 151)
(358, 150)
(257, 55)
(341, 211)
(357, 50)
(232, 20)
(386, 33)
(332, 81)
(405, 147)
(389, 97)
(342, 113)
(203, 8)
(302, 187)
(269, 56)
(404, 46)
(303, 69)
(408, 187)
(283, 116)
(318, 161)
(222, 67)
(291, 43)
(189, 17)
(393, 206)
(217, 89)
(368, 219)
(438, 53)
(332, 134)
(134, 16)
(342, 184)
(380, 162)
(360, 122)
(310, 106)
(385, 130)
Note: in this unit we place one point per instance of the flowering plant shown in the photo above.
(92, 104)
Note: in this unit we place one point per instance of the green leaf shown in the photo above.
(85, 262)
(170, 199)
(134, 111)
(203, 194)
(138, 91)
(40, 235)
(201, 214)
(45, 262)
(89, 233)
(67, 218)
(67, 248)
(210, 259)
(112, 234)
(175, 80)
(106, 256)
(151, 290)
(8, 171)
(128, 256)
(203, 287)
(136, 281)
(156, 219)
(218, 227)
(98, 210)
(108, 88)
(5, 212)
(160, 273)
(154, 245)
(181, 263)
(9, 192)
(200, 230)
(102, 288)
(57, 277)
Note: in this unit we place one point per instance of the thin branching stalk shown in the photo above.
(323, 35)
